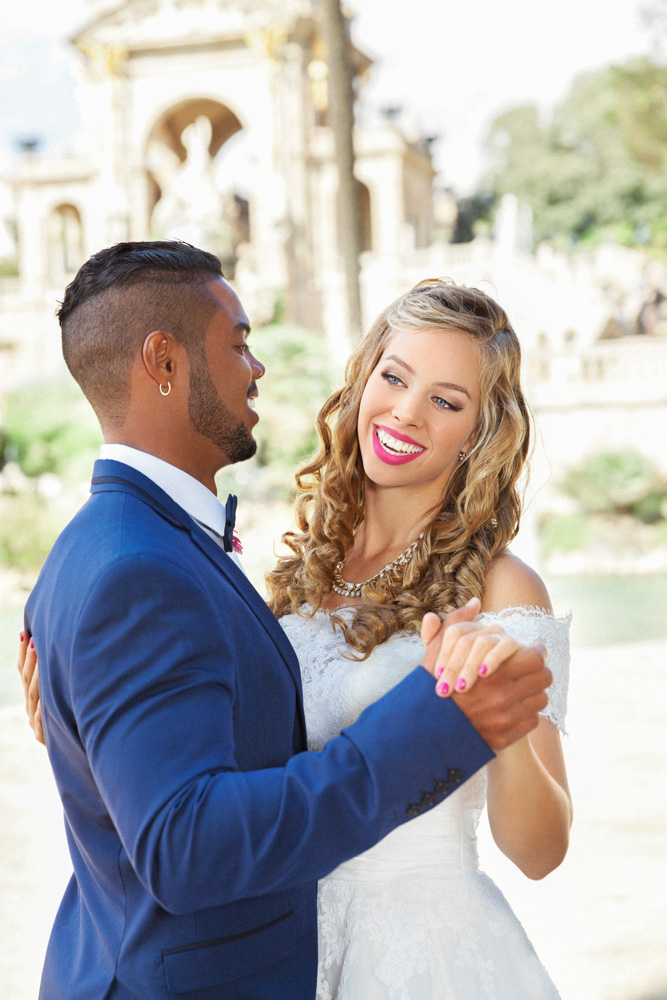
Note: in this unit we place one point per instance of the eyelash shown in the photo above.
(389, 376)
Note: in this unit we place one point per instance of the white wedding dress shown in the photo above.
(414, 918)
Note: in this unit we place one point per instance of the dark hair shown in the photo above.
(119, 296)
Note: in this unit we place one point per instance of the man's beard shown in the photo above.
(211, 418)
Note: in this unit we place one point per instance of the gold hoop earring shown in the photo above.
(162, 392)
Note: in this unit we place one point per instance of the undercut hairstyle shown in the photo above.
(479, 512)
(117, 298)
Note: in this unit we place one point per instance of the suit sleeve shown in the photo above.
(153, 689)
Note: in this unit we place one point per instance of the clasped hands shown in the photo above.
(497, 682)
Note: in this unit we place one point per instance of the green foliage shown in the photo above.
(618, 483)
(565, 533)
(298, 379)
(30, 526)
(598, 168)
(50, 427)
(473, 217)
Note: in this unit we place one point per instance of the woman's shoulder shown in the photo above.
(512, 583)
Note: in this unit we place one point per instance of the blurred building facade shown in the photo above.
(164, 86)
(208, 120)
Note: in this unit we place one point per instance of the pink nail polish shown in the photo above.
(460, 684)
(32, 645)
(438, 672)
(21, 637)
(483, 670)
(443, 688)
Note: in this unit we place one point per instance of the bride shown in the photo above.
(408, 508)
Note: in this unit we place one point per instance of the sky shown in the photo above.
(451, 66)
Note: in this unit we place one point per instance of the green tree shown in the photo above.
(623, 482)
(598, 168)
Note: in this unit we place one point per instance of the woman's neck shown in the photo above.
(392, 520)
(390, 525)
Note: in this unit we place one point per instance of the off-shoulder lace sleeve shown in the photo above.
(530, 625)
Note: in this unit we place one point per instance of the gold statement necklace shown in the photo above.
(345, 589)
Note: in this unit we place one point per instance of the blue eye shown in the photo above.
(391, 378)
(444, 404)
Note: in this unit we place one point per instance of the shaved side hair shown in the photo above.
(117, 298)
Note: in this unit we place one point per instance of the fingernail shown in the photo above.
(32, 645)
(461, 684)
(483, 670)
(21, 637)
(539, 647)
(442, 688)
(438, 671)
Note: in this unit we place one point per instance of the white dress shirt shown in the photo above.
(198, 501)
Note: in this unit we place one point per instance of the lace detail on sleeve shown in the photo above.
(529, 624)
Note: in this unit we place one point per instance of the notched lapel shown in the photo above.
(115, 476)
(237, 578)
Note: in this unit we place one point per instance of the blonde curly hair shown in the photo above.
(479, 512)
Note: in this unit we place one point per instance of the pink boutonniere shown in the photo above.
(236, 544)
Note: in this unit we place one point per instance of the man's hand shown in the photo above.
(504, 708)
(503, 705)
(27, 664)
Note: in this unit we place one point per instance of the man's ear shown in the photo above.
(161, 356)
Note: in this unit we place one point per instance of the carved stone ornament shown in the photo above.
(144, 23)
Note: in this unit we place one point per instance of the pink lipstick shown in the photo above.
(392, 457)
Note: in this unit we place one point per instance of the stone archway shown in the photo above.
(189, 198)
(64, 242)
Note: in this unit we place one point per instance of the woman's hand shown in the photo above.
(460, 649)
(27, 664)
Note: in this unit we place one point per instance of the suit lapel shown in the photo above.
(237, 578)
(110, 476)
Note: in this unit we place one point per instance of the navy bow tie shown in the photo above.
(230, 520)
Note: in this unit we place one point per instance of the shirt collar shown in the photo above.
(198, 501)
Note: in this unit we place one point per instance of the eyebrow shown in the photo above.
(443, 385)
(242, 328)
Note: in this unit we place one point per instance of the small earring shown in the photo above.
(462, 456)
(168, 389)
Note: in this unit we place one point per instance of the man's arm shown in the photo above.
(152, 693)
(153, 697)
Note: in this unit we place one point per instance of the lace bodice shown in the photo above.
(384, 915)
(336, 688)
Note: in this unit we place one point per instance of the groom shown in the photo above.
(171, 698)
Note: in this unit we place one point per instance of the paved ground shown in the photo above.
(599, 922)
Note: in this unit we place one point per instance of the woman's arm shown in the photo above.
(529, 804)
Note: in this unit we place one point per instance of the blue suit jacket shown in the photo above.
(174, 724)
